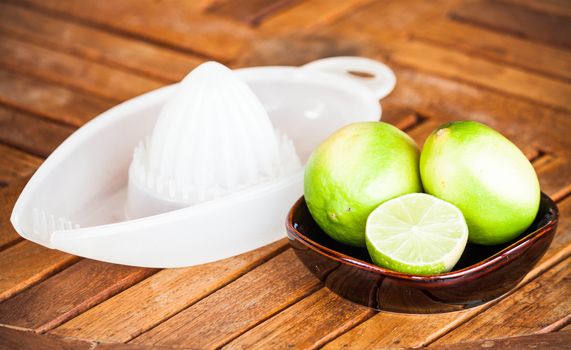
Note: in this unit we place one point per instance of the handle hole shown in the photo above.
(360, 74)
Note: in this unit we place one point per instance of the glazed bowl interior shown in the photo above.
(482, 273)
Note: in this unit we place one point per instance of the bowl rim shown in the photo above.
(489, 264)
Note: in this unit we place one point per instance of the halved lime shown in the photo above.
(416, 233)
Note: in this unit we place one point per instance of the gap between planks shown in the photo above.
(45, 10)
(490, 57)
(66, 70)
(99, 324)
(408, 61)
(516, 20)
(499, 47)
(95, 45)
(242, 273)
(300, 298)
(546, 7)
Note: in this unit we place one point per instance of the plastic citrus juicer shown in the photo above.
(196, 171)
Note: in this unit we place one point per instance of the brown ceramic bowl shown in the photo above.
(482, 274)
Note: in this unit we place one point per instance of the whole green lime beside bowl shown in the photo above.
(353, 171)
(485, 175)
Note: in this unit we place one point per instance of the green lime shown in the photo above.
(416, 233)
(485, 175)
(357, 168)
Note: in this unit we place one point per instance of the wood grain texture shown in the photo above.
(15, 164)
(554, 7)
(67, 70)
(507, 49)
(26, 263)
(95, 44)
(30, 133)
(504, 63)
(307, 16)
(517, 20)
(61, 104)
(457, 65)
(391, 330)
(432, 95)
(549, 341)
(560, 248)
(551, 179)
(182, 25)
(538, 304)
(310, 323)
(388, 20)
(379, 37)
(251, 12)
(67, 294)
(241, 305)
(120, 346)
(333, 37)
(8, 197)
(143, 306)
(11, 339)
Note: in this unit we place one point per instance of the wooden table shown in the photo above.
(506, 63)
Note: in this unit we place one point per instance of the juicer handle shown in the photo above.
(376, 76)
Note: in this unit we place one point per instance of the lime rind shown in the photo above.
(416, 233)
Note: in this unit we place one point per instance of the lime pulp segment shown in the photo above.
(416, 233)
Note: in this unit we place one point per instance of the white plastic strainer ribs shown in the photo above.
(197, 171)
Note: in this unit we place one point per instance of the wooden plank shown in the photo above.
(52, 302)
(535, 306)
(55, 102)
(388, 330)
(552, 61)
(120, 346)
(8, 197)
(304, 17)
(26, 263)
(549, 341)
(554, 177)
(159, 297)
(251, 12)
(29, 133)
(15, 339)
(181, 25)
(310, 323)
(432, 95)
(95, 44)
(11, 339)
(517, 20)
(241, 305)
(387, 20)
(383, 39)
(455, 65)
(15, 164)
(554, 7)
(402, 330)
(377, 20)
(65, 69)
